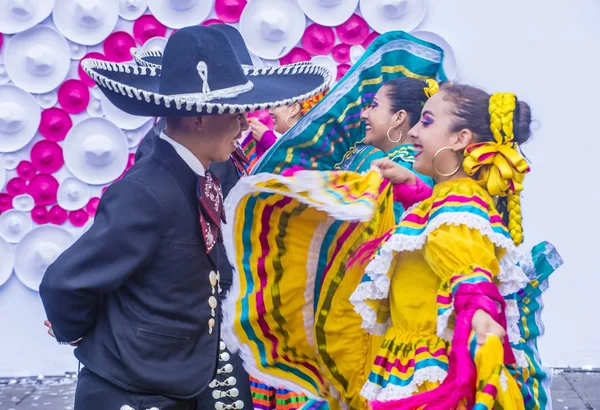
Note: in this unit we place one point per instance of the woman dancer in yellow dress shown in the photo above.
(450, 265)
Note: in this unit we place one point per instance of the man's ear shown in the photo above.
(198, 122)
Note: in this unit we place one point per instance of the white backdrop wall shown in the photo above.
(548, 54)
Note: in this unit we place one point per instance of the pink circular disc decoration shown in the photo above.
(210, 22)
(57, 215)
(82, 75)
(117, 46)
(43, 189)
(341, 53)
(73, 96)
(5, 202)
(78, 218)
(55, 124)
(342, 69)
(147, 27)
(16, 186)
(26, 170)
(354, 31)
(318, 40)
(92, 206)
(47, 156)
(372, 36)
(39, 214)
(229, 10)
(295, 55)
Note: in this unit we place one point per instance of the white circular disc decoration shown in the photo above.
(7, 256)
(24, 202)
(47, 100)
(20, 15)
(20, 117)
(3, 178)
(271, 28)
(86, 22)
(120, 117)
(132, 9)
(327, 62)
(96, 151)
(73, 194)
(329, 13)
(94, 108)
(38, 250)
(356, 53)
(78, 51)
(393, 15)
(14, 225)
(4, 78)
(180, 13)
(449, 64)
(38, 60)
(134, 137)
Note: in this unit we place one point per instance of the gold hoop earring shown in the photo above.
(441, 173)
(390, 138)
(287, 123)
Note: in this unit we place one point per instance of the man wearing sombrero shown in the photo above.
(140, 290)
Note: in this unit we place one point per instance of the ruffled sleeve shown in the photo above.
(458, 254)
(410, 194)
(267, 140)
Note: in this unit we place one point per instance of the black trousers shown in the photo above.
(95, 393)
(230, 390)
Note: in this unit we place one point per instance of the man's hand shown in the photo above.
(49, 326)
(51, 333)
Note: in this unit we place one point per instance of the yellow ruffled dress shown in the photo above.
(309, 333)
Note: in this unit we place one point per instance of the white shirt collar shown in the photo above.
(185, 154)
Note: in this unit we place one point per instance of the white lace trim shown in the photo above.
(93, 68)
(511, 277)
(512, 321)
(372, 391)
(377, 289)
(443, 330)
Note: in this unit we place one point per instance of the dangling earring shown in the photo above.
(390, 138)
(287, 123)
(441, 173)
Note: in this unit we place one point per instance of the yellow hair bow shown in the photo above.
(502, 167)
(432, 87)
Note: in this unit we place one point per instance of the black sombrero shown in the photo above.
(200, 74)
(153, 58)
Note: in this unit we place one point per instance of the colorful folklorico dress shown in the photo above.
(451, 254)
(335, 123)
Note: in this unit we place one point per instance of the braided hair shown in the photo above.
(492, 119)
